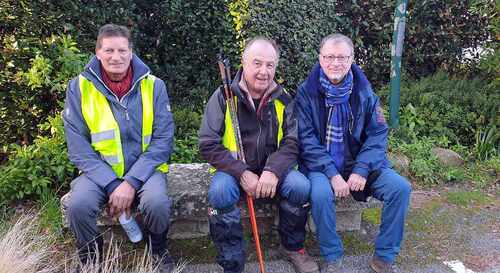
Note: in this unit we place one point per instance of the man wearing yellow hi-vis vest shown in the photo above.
(119, 130)
(269, 135)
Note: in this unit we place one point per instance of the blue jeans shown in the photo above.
(224, 190)
(225, 227)
(390, 188)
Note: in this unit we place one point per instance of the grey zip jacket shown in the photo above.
(139, 166)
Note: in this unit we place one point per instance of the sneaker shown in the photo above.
(302, 262)
(332, 267)
(380, 266)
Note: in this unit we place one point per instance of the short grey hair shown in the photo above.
(335, 39)
(112, 30)
(251, 41)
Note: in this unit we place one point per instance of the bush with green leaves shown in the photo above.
(33, 79)
(451, 108)
(179, 40)
(187, 123)
(436, 33)
(33, 169)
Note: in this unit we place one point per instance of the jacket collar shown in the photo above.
(140, 69)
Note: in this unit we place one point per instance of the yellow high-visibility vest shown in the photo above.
(104, 130)
(229, 138)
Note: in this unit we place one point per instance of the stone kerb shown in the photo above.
(188, 185)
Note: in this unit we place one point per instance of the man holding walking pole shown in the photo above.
(268, 130)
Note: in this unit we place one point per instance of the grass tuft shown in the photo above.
(23, 249)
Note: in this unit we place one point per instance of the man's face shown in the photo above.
(115, 55)
(259, 66)
(335, 59)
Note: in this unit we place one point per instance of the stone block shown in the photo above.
(188, 186)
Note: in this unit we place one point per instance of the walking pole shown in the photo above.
(225, 73)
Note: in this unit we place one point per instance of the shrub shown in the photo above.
(34, 89)
(179, 40)
(33, 169)
(436, 33)
(186, 136)
(446, 106)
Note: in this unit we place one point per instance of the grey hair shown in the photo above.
(337, 38)
(250, 42)
(112, 30)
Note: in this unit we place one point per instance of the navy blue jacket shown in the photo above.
(366, 144)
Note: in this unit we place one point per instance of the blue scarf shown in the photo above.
(337, 103)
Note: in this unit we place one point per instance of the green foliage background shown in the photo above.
(44, 43)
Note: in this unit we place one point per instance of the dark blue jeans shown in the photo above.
(225, 192)
(390, 188)
(225, 228)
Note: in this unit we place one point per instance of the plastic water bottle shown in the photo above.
(131, 227)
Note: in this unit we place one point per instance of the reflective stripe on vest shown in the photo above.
(229, 139)
(104, 130)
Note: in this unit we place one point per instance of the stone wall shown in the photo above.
(188, 185)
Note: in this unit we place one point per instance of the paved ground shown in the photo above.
(352, 264)
(439, 229)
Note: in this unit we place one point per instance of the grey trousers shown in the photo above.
(87, 200)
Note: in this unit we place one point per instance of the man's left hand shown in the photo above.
(356, 182)
(267, 185)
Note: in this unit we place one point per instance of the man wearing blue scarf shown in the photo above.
(343, 144)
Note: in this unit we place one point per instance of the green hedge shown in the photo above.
(179, 40)
(436, 33)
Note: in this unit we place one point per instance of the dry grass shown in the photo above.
(23, 249)
(114, 261)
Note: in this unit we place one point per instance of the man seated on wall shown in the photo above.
(119, 131)
(343, 143)
(269, 136)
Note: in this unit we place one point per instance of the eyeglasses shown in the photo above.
(340, 59)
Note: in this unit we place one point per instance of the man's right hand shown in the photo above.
(340, 187)
(121, 199)
(248, 182)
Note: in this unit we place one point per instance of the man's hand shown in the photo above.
(121, 199)
(267, 185)
(356, 182)
(248, 182)
(339, 186)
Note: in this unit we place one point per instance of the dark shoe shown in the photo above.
(332, 267)
(164, 264)
(302, 262)
(380, 266)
